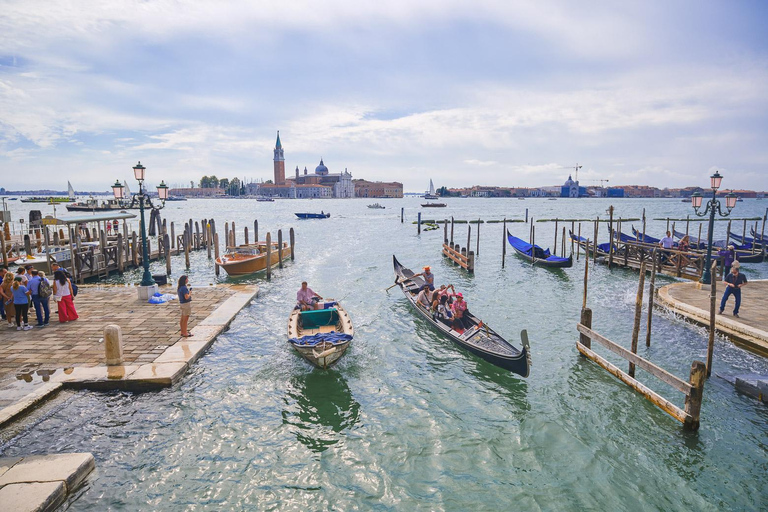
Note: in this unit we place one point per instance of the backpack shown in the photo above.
(45, 290)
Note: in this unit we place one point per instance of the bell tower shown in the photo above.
(279, 162)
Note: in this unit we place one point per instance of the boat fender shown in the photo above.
(325, 353)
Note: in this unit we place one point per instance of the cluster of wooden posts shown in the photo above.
(230, 235)
(692, 389)
(461, 256)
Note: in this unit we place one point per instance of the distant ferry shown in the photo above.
(265, 199)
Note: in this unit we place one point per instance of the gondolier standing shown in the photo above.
(429, 277)
(734, 282)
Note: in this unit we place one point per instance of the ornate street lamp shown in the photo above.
(713, 205)
(162, 191)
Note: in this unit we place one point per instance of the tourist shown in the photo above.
(6, 291)
(734, 283)
(444, 310)
(3, 271)
(22, 273)
(62, 294)
(423, 297)
(666, 243)
(459, 308)
(728, 255)
(55, 266)
(41, 291)
(185, 301)
(306, 298)
(21, 304)
(685, 244)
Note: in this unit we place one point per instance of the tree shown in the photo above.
(233, 188)
(214, 181)
(224, 183)
(268, 182)
(205, 182)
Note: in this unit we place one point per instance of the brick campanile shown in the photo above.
(279, 162)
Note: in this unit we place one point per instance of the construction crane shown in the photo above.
(577, 171)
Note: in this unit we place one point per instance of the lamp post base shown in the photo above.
(145, 292)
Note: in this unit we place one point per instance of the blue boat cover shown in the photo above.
(526, 248)
(331, 337)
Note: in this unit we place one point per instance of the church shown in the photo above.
(321, 184)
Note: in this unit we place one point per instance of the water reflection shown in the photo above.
(320, 406)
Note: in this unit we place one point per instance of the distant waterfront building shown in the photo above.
(365, 188)
(197, 192)
(321, 183)
(572, 189)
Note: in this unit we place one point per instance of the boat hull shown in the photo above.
(324, 354)
(251, 264)
(549, 262)
(312, 215)
(502, 354)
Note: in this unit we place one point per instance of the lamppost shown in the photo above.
(162, 193)
(712, 206)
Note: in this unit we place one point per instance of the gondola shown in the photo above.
(743, 252)
(313, 215)
(588, 246)
(479, 339)
(321, 336)
(538, 256)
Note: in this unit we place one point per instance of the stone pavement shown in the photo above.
(750, 330)
(148, 329)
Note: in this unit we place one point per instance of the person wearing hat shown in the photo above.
(734, 282)
(459, 308)
(728, 255)
(429, 277)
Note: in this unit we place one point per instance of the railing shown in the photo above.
(461, 257)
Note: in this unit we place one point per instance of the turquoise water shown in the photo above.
(406, 420)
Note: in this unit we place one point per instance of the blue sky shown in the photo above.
(501, 93)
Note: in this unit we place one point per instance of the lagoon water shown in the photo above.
(406, 420)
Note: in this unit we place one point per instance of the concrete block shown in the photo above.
(747, 386)
(70, 468)
(184, 352)
(28, 401)
(155, 375)
(33, 497)
(762, 387)
(96, 377)
(7, 463)
(145, 292)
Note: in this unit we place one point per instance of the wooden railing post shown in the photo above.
(586, 321)
(471, 262)
(693, 399)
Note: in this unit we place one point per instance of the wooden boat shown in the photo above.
(320, 215)
(323, 335)
(433, 205)
(743, 252)
(538, 256)
(376, 206)
(265, 199)
(479, 339)
(247, 259)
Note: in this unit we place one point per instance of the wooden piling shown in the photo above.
(226, 235)
(234, 235)
(186, 248)
(503, 242)
(197, 235)
(292, 242)
(533, 241)
(727, 235)
(687, 223)
(610, 237)
(445, 231)
(256, 231)
(173, 237)
(418, 224)
(693, 400)
(712, 318)
(451, 230)
(573, 230)
(469, 235)
(586, 320)
(280, 248)
(477, 247)
(216, 251)
(562, 252)
(594, 241)
(586, 281)
(578, 247)
(269, 256)
(73, 261)
(471, 262)
(27, 245)
(167, 251)
(245, 235)
(651, 298)
(134, 249)
(638, 315)
(120, 248)
(554, 245)
(208, 239)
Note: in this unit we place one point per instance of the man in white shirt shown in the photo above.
(666, 243)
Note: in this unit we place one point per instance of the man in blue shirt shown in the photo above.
(40, 303)
(733, 284)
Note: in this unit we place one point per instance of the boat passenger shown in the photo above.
(306, 298)
(459, 308)
(444, 311)
(424, 296)
(684, 244)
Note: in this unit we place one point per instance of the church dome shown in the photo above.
(570, 182)
(321, 169)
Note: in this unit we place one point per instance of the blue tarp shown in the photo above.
(160, 298)
(525, 248)
(310, 341)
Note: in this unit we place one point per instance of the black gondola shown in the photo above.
(478, 338)
(538, 256)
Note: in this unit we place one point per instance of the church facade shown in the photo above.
(322, 183)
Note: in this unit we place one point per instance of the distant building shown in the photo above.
(365, 188)
(572, 189)
(197, 192)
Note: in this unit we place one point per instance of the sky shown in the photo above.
(506, 93)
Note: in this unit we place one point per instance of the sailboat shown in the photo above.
(431, 193)
(70, 192)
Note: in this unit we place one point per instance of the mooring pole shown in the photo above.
(712, 318)
(269, 256)
(280, 248)
(477, 246)
(504, 242)
(418, 223)
(578, 247)
(638, 316)
(293, 241)
(451, 230)
(256, 231)
(402, 215)
(216, 253)
(651, 298)
(610, 237)
(526, 215)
